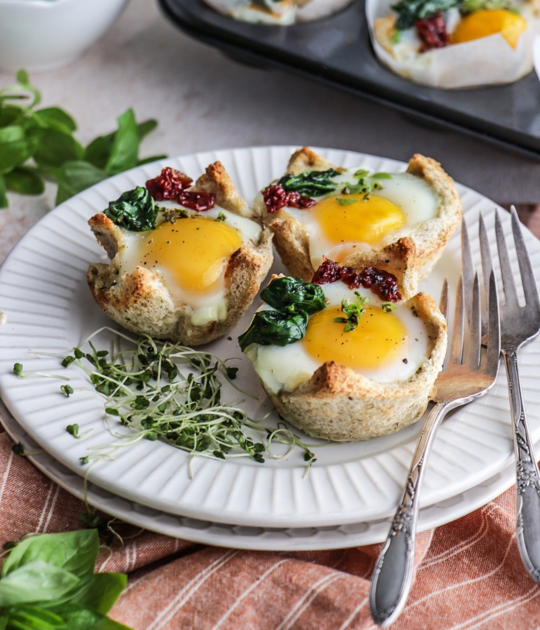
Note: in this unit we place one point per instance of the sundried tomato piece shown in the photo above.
(198, 201)
(275, 198)
(382, 283)
(432, 32)
(168, 185)
(328, 272)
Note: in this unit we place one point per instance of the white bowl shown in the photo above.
(41, 35)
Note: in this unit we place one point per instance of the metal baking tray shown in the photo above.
(337, 51)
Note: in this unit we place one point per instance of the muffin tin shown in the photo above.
(337, 51)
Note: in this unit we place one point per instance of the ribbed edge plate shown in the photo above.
(49, 308)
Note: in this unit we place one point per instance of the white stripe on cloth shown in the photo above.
(464, 544)
(307, 598)
(257, 582)
(45, 510)
(351, 617)
(501, 609)
(6, 475)
(189, 590)
(51, 509)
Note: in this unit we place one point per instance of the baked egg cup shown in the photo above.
(143, 302)
(423, 242)
(336, 402)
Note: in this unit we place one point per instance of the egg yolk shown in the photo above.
(378, 339)
(364, 221)
(483, 23)
(194, 251)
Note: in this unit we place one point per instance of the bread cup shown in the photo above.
(336, 402)
(144, 303)
(424, 242)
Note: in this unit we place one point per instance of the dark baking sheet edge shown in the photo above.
(250, 57)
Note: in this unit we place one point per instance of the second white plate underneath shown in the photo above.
(256, 538)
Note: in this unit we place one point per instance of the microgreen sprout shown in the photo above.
(221, 216)
(388, 307)
(67, 390)
(365, 185)
(353, 311)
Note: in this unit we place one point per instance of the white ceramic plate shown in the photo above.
(49, 309)
(260, 538)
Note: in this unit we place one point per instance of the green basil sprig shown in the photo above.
(48, 583)
(311, 183)
(291, 295)
(134, 210)
(38, 145)
(295, 300)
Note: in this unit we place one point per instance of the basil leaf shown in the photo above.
(270, 328)
(56, 118)
(125, 149)
(146, 127)
(311, 184)
(24, 180)
(292, 294)
(74, 177)
(82, 618)
(9, 115)
(99, 150)
(75, 552)
(102, 592)
(35, 618)
(36, 581)
(152, 158)
(24, 82)
(3, 198)
(134, 210)
(14, 148)
(54, 148)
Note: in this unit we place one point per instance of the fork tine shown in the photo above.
(475, 327)
(527, 275)
(443, 303)
(467, 266)
(456, 347)
(510, 294)
(494, 329)
(485, 250)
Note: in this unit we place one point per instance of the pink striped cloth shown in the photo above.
(469, 574)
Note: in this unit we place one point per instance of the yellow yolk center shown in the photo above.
(483, 23)
(194, 251)
(362, 221)
(377, 341)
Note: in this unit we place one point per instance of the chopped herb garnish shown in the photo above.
(221, 216)
(353, 311)
(410, 11)
(343, 201)
(292, 295)
(381, 176)
(388, 307)
(134, 210)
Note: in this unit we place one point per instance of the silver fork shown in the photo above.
(519, 325)
(461, 383)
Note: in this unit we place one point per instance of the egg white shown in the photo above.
(208, 307)
(413, 195)
(285, 368)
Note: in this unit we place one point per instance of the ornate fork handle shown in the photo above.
(528, 478)
(393, 573)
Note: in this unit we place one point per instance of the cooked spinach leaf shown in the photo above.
(134, 210)
(272, 328)
(409, 11)
(292, 295)
(311, 184)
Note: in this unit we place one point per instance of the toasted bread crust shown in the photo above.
(142, 303)
(216, 180)
(291, 236)
(338, 404)
(384, 30)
